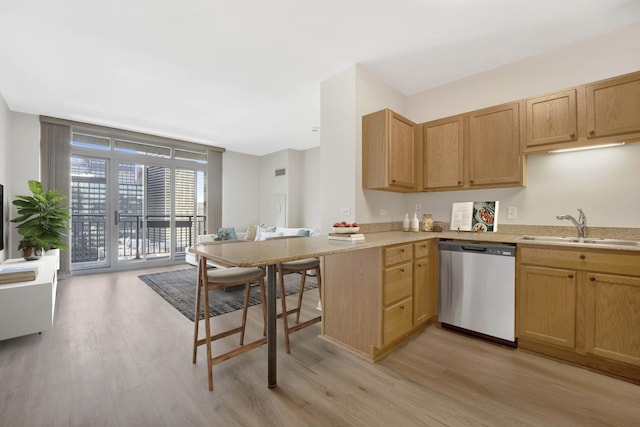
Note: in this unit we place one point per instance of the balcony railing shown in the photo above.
(89, 239)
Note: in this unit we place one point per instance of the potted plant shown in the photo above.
(42, 221)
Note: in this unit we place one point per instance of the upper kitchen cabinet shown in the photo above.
(552, 119)
(389, 152)
(495, 154)
(443, 153)
(592, 114)
(613, 106)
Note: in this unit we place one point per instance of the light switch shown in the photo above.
(512, 212)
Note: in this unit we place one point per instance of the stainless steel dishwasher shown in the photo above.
(477, 289)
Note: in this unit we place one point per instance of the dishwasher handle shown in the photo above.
(474, 248)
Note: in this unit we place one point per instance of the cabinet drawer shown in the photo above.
(398, 320)
(397, 254)
(421, 250)
(617, 262)
(398, 283)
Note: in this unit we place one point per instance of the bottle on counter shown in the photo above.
(427, 222)
(406, 224)
(415, 223)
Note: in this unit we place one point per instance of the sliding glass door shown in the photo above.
(134, 204)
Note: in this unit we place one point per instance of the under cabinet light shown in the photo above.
(590, 147)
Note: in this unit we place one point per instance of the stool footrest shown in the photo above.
(304, 324)
(290, 311)
(220, 335)
(237, 351)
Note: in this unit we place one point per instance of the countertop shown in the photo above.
(281, 250)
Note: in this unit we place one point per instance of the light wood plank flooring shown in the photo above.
(119, 355)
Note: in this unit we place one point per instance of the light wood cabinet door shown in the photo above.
(613, 106)
(389, 152)
(398, 283)
(495, 157)
(552, 118)
(402, 151)
(398, 320)
(425, 281)
(613, 317)
(397, 254)
(443, 153)
(547, 305)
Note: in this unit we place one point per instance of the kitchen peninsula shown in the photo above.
(378, 292)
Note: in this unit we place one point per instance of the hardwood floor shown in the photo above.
(119, 355)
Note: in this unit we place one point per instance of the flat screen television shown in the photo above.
(1, 217)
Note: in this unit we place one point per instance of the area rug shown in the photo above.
(178, 288)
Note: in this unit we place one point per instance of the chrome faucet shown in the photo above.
(581, 223)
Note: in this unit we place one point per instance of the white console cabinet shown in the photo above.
(28, 307)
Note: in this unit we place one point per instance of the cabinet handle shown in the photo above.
(572, 135)
(570, 276)
(402, 250)
(593, 279)
(471, 181)
(402, 307)
(393, 181)
(591, 132)
(459, 182)
(402, 270)
(582, 257)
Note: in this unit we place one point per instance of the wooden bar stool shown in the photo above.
(298, 266)
(209, 280)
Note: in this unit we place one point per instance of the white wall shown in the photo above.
(311, 188)
(4, 174)
(602, 182)
(240, 190)
(300, 179)
(338, 161)
(271, 185)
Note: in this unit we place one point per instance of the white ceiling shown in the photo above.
(245, 75)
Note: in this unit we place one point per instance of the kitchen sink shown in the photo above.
(586, 241)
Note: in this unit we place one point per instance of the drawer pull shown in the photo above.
(593, 279)
(402, 307)
(402, 250)
(582, 257)
(570, 276)
(572, 135)
(402, 270)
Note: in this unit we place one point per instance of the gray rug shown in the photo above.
(178, 288)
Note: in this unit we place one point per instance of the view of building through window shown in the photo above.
(127, 207)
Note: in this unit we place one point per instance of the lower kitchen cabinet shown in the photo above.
(397, 291)
(376, 298)
(582, 306)
(613, 317)
(425, 281)
(547, 309)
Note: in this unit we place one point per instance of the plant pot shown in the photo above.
(31, 253)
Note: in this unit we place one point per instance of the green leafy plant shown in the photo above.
(223, 235)
(43, 218)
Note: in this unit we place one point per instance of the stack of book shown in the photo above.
(349, 237)
(12, 274)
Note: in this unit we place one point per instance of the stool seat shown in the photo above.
(234, 274)
(301, 264)
(210, 280)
